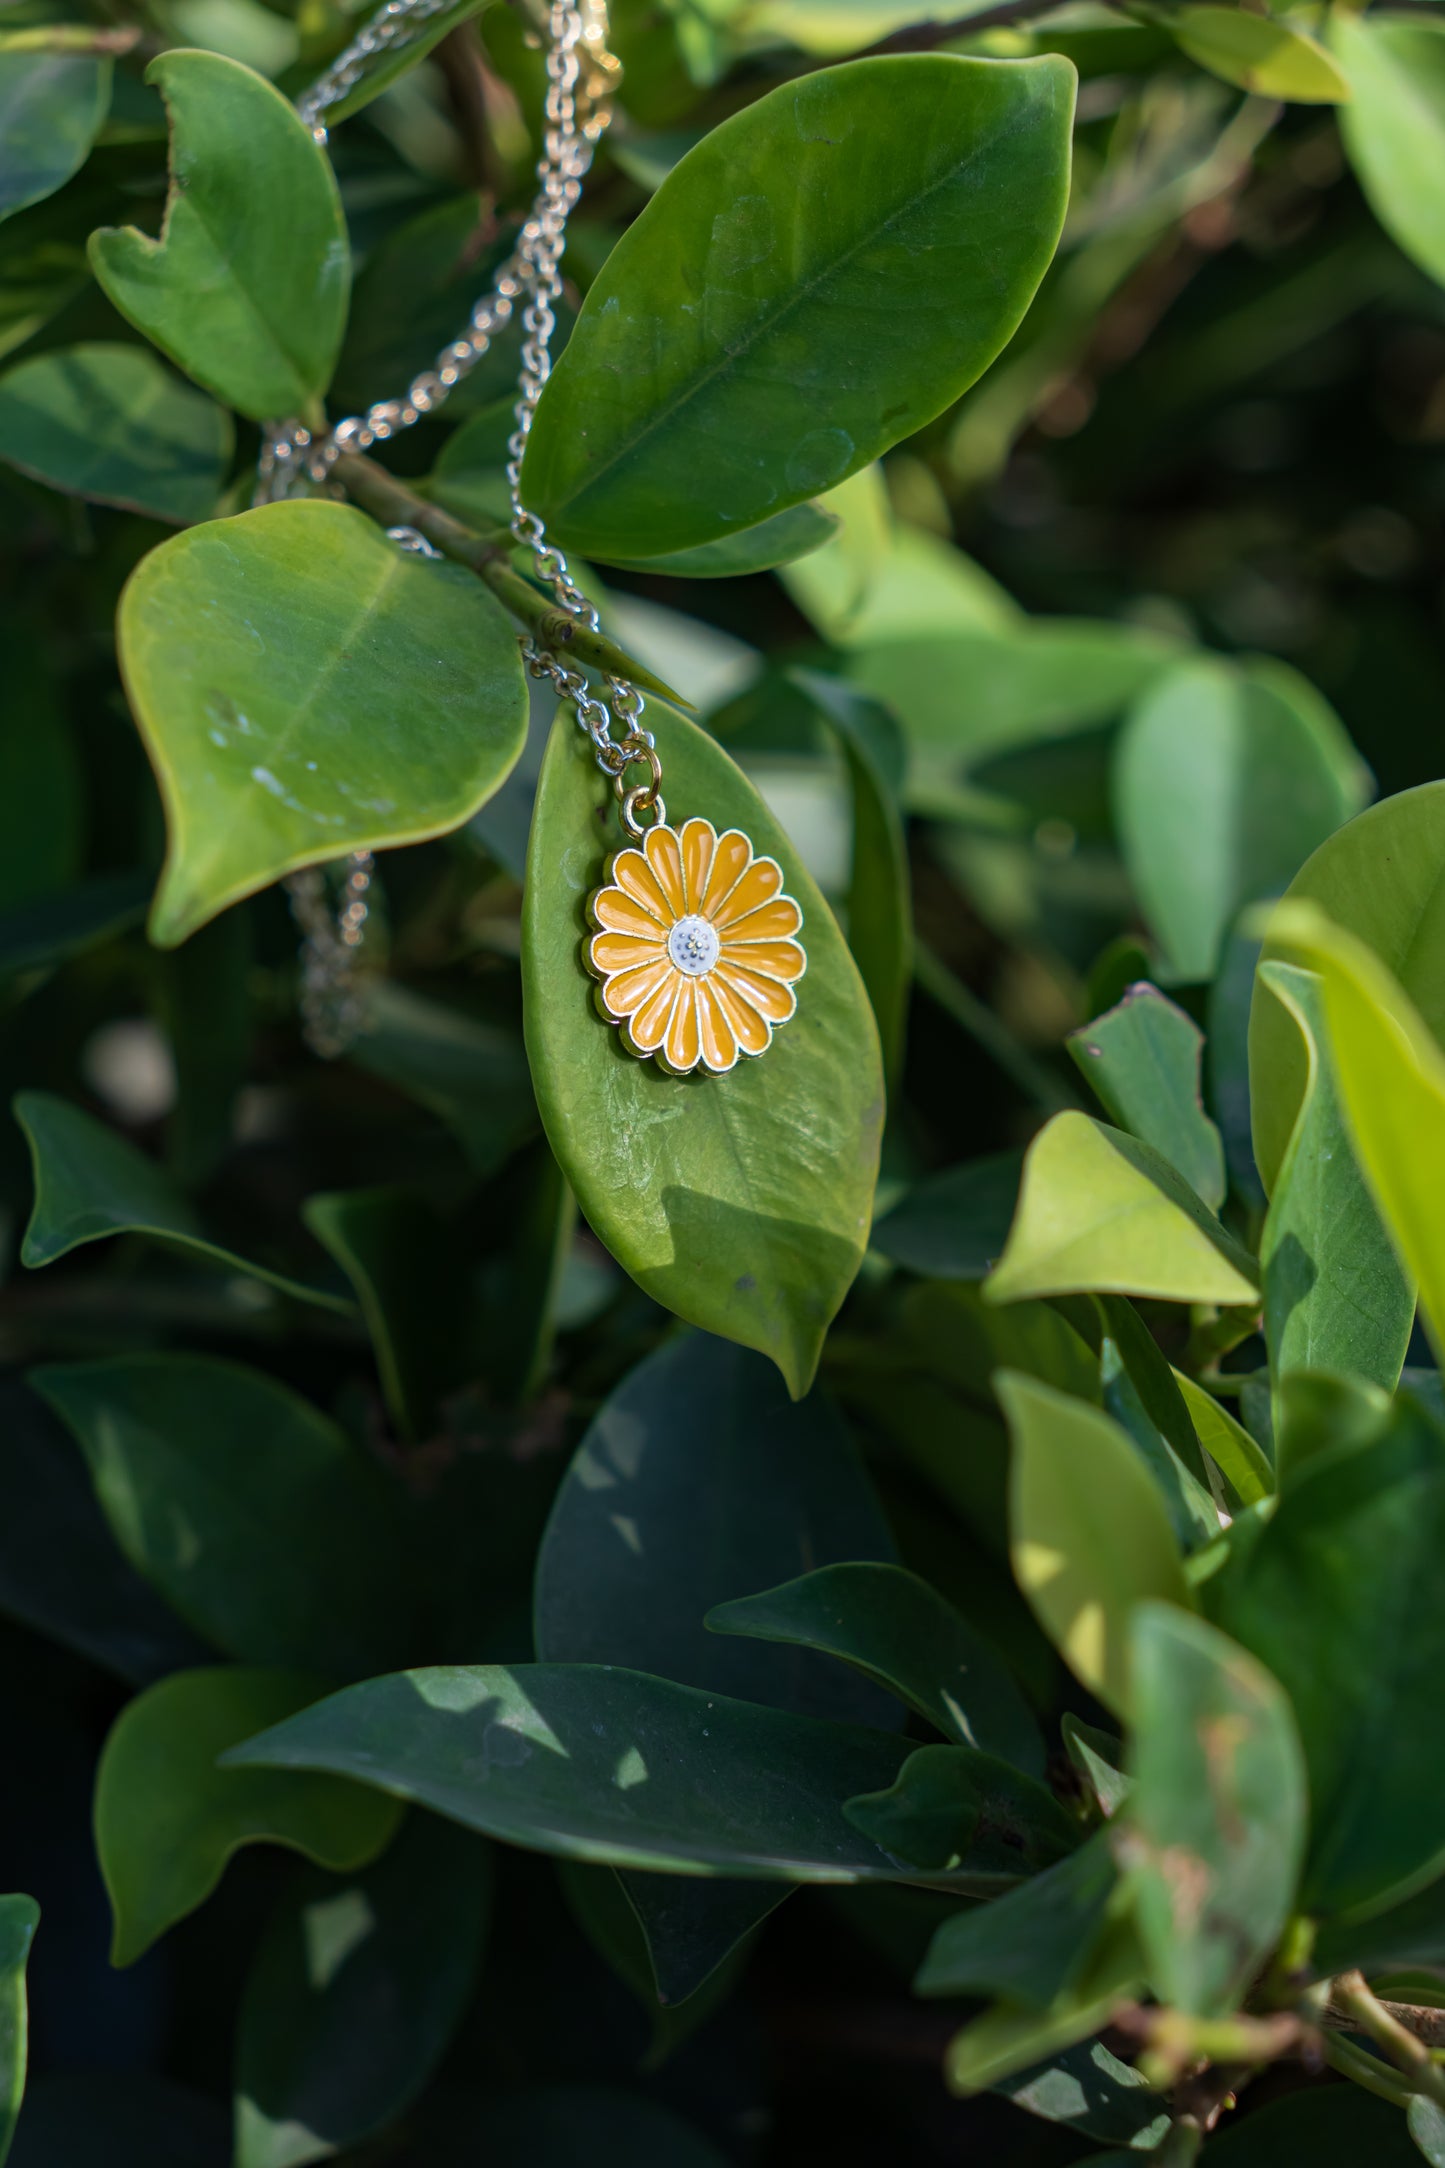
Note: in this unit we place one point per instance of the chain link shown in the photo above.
(581, 77)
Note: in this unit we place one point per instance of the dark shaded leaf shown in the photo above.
(109, 423)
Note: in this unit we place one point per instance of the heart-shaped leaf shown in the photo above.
(305, 688)
(52, 108)
(704, 388)
(741, 1202)
(246, 288)
(110, 423)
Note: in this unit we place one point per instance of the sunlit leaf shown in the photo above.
(1272, 59)
(1394, 124)
(19, 1918)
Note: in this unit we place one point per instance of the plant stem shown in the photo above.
(69, 38)
(1365, 2070)
(394, 505)
(1181, 2144)
(1351, 1998)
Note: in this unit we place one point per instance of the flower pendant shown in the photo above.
(696, 948)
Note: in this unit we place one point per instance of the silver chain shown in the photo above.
(581, 78)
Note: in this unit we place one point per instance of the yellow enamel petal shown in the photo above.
(699, 841)
(730, 861)
(609, 952)
(772, 1000)
(775, 921)
(625, 994)
(664, 858)
(719, 1041)
(683, 1046)
(646, 1026)
(614, 908)
(770, 959)
(633, 874)
(757, 886)
(752, 1032)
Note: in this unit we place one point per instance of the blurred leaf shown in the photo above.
(894, 1628)
(1341, 1597)
(354, 1994)
(1410, 1932)
(400, 57)
(52, 108)
(555, 2126)
(384, 705)
(750, 1215)
(830, 586)
(1212, 1834)
(39, 936)
(1268, 58)
(521, 1294)
(1379, 878)
(1029, 1946)
(1225, 780)
(1089, 1532)
(19, 1918)
(763, 240)
(951, 1809)
(254, 1516)
(167, 1819)
(599, 1902)
(472, 1075)
(204, 998)
(127, 2118)
(1007, 2039)
(246, 288)
(1394, 125)
(399, 1255)
(1334, 2126)
(1427, 2128)
(1098, 1760)
(109, 423)
(1101, 1210)
(1335, 1297)
(1142, 1061)
(1239, 1460)
(42, 789)
(410, 295)
(1089, 2090)
(780, 540)
(91, 1183)
(953, 1226)
(1318, 1412)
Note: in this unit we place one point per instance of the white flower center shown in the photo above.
(693, 946)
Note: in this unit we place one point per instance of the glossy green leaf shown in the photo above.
(749, 1213)
(1394, 124)
(1213, 1832)
(1142, 1061)
(383, 702)
(895, 1628)
(598, 1901)
(1089, 1532)
(1102, 1210)
(91, 1183)
(1272, 59)
(472, 1075)
(952, 1810)
(109, 423)
(780, 540)
(167, 1818)
(1340, 1596)
(1245, 1468)
(818, 204)
(1378, 878)
(19, 1918)
(354, 1994)
(1029, 1946)
(246, 288)
(1010, 2038)
(258, 1520)
(953, 1226)
(52, 108)
(1335, 1296)
(127, 2118)
(402, 1261)
(1225, 780)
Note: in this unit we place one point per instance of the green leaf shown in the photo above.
(354, 1994)
(1340, 1596)
(896, 1629)
(1213, 1831)
(52, 108)
(246, 288)
(880, 911)
(1317, 1412)
(1394, 125)
(1142, 1061)
(1225, 779)
(1378, 878)
(592, 1762)
(952, 1810)
(412, 291)
(830, 587)
(780, 540)
(257, 1519)
(597, 1899)
(1234, 1453)
(19, 1918)
(472, 1075)
(1008, 2039)
(1090, 2091)
(403, 1261)
(749, 1213)
(1335, 1297)
(1140, 1392)
(1104, 1211)
(1427, 2127)
(1089, 1532)
(91, 1183)
(35, 938)
(1269, 58)
(953, 1226)
(400, 57)
(168, 1819)
(1409, 1933)
(305, 688)
(109, 423)
(1027, 1947)
(848, 195)
(1098, 1759)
